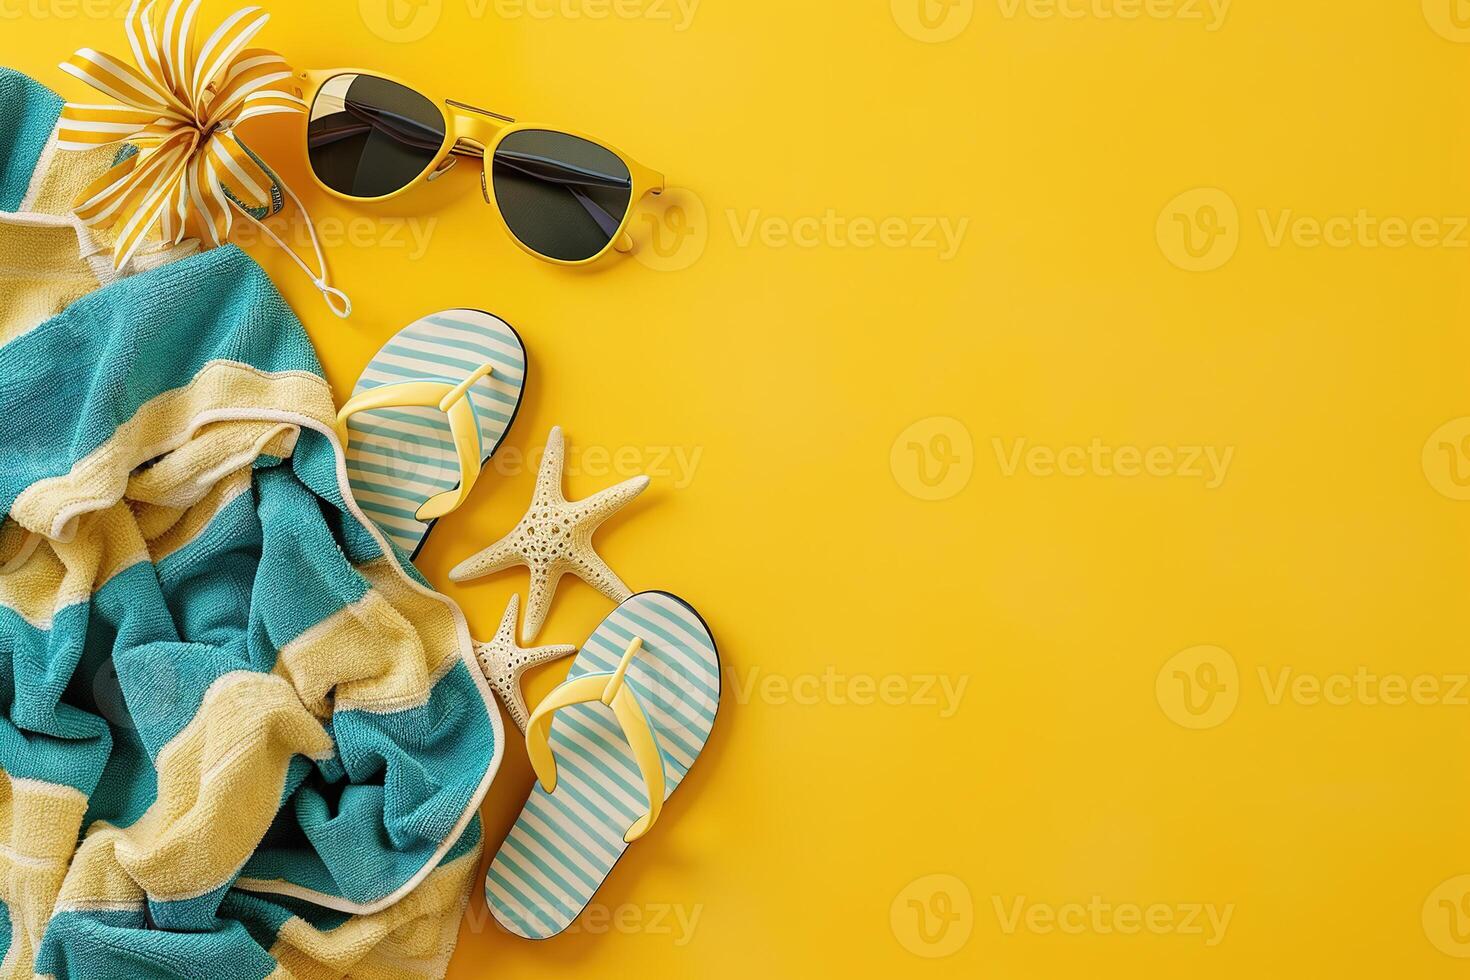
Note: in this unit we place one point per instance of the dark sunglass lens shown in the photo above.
(562, 196)
(369, 137)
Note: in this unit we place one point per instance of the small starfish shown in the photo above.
(555, 537)
(504, 661)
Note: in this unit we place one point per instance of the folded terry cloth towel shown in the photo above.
(240, 737)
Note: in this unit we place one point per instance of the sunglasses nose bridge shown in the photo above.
(473, 128)
(465, 146)
(474, 135)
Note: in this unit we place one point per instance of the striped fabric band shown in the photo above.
(178, 107)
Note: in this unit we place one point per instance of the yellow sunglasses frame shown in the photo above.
(470, 131)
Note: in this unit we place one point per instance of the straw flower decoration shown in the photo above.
(179, 106)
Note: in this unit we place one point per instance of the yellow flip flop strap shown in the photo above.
(454, 402)
(611, 690)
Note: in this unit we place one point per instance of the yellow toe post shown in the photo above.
(616, 683)
(624, 243)
(465, 428)
(462, 389)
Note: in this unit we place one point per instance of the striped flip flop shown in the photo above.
(608, 747)
(429, 411)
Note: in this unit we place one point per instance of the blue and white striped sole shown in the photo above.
(564, 844)
(398, 458)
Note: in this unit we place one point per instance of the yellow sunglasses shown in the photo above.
(562, 196)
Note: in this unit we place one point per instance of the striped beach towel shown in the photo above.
(240, 737)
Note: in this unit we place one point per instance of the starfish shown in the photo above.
(555, 537)
(504, 661)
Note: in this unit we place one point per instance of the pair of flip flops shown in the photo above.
(615, 740)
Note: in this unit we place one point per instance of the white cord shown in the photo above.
(337, 301)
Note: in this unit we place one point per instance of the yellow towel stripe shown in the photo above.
(407, 941)
(220, 784)
(161, 425)
(59, 574)
(379, 654)
(171, 529)
(39, 823)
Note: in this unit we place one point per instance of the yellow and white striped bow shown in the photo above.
(179, 107)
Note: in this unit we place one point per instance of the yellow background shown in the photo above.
(1072, 607)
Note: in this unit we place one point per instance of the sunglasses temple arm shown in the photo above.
(605, 221)
(552, 171)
